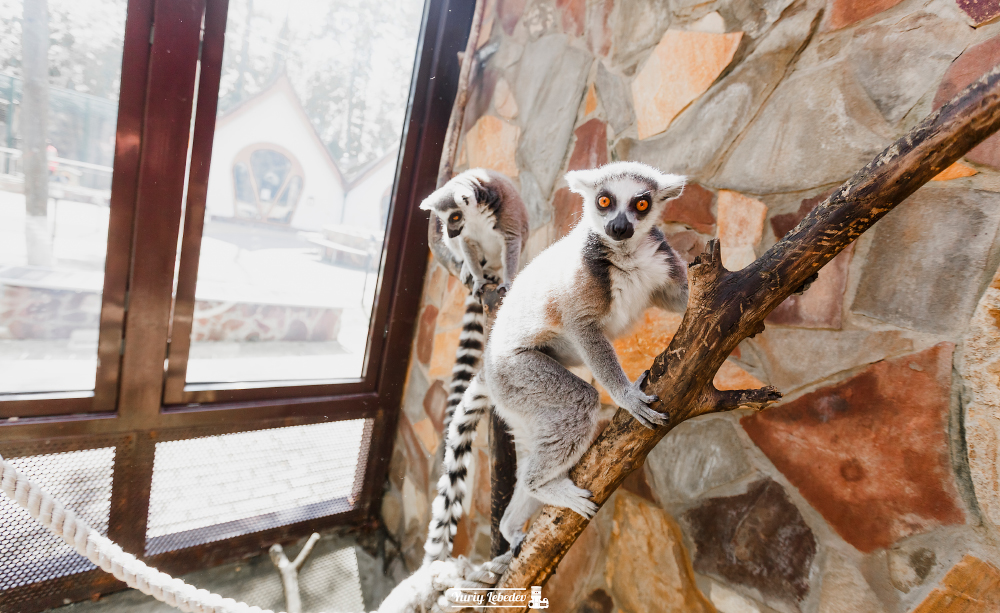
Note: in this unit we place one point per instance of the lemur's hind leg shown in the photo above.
(521, 507)
(560, 411)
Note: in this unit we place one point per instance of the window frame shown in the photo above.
(136, 309)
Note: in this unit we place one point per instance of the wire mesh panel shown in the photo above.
(217, 487)
(328, 581)
(81, 480)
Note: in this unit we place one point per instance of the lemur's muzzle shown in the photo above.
(620, 228)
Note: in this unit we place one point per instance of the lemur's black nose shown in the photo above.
(620, 228)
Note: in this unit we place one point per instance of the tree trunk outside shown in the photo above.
(34, 129)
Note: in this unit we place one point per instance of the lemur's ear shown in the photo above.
(428, 203)
(583, 181)
(671, 186)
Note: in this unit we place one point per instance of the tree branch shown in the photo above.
(724, 307)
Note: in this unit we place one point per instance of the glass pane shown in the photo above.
(60, 71)
(311, 110)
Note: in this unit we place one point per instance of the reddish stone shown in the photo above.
(783, 224)
(413, 453)
(435, 401)
(692, 208)
(822, 305)
(871, 453)
(425, 333)
(510, 12)
(688, 244)
(845, 12)
(597, 601)
(638, 485)
(981, 11)
(591, 149)
(568, 210)
(573, 15)
(757, 539)
(969, 66)
(598, 33)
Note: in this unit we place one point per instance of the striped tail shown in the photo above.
(468, 356)
(447, 507)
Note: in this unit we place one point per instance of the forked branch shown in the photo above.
(726, 307)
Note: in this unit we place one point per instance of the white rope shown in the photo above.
(107, 555)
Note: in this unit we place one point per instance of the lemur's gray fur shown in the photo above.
(479, 226)
(478, 229)
(567, 306)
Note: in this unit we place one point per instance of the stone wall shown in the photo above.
(873, 486)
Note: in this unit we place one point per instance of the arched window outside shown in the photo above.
(267, 181)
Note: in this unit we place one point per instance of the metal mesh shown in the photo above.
(217, 487)
(328, 581)
(81, 480)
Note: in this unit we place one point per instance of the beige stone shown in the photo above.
(741, 225)
(728, 601)
(637, 349)
(732, 377)
(503, 100)
(979, 366)
(443, 357)
(682, 67)
(648, 568)
(844, 588)
(491, 143)
(955, 171)
(425, 431)
(590, 101)
(452, 306)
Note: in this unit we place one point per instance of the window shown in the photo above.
(231, 262)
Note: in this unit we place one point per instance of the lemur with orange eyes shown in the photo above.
(566, 308)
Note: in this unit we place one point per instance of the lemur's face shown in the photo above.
(624, 199)
(453, 202)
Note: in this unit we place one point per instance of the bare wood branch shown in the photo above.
(727, 306)
(289, 572)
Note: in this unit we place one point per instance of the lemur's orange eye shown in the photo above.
(604, 202)
(642, 205)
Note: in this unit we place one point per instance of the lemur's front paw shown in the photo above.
(502, 289)
(477, 288)
(637, 403)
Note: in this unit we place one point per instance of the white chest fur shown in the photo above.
(635, 274)
(480, 229)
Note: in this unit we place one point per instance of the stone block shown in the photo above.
(590, 100)
(757, 539)
(648, 568)
(573, 16)
(598, 27)
(698, 139)
(843, 13)
(425, 333)
(971, 586)
(682, 67)
(416, 388)
(980, 11)
(821, 306)
(730, 601)
(928, 260)
(591, 148)
(638, 25)
(694, 458)
(503, 100)
(616, 98)
(784, 223)
(732, 377)
(972, 64)
(782, 151)
(979, 366)
(435, 403)
(567, 209)
(688, 244)
(957, 170)
(789, 359)
(693, 208)
(908, 569)
(443, 357)
(741, 225)
(492, 143)
(426, 434)
(597, 601)
(416, 459)
(897, 63)
(871, 453)
(509, 12)
(556, 85)
(844, 588)
(539, 209)
(650, 336)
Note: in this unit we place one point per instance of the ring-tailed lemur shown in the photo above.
(568, 305)
(479, 228)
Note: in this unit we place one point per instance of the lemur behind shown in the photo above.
(479, 228)
(568, 305)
